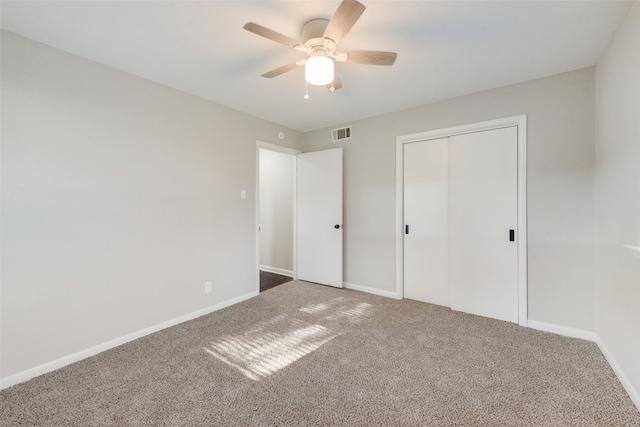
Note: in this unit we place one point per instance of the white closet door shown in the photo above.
(483, 210)
(320, 217)
(426, 213)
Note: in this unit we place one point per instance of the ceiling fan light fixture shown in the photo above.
(318, 70)
(319, 42)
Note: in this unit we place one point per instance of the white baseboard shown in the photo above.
(562, 330)
(591, 336)
(92, 351)
(374, 291)
(276, 270)
(75, 357)
(632, 392)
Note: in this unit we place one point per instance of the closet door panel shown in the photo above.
(483, 210)
(426, 213)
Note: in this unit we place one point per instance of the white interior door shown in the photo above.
(426, 213)
(483, 210)
(320, 217)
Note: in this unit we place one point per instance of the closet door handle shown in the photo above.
(512, 235)
(406, 229)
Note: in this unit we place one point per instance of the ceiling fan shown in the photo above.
(320, 38)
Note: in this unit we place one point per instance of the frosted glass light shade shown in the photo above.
(318, 70)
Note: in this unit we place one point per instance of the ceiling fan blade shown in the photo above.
(280, 70)
(371, 57)
(343, 19)
(337, 84)
(270, 34)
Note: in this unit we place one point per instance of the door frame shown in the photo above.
(286, 150)
(521, 122)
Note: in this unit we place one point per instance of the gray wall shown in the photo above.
(120, 198)
(618, 197)
(276, 209)
(560, 113)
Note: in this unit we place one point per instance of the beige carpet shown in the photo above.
(309, 355)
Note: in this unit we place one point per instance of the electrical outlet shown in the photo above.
(207, 287)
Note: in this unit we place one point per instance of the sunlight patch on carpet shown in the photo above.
(270, 346)
(354, 313)
(322, 306)
(339, 308)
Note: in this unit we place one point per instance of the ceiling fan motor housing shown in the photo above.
(312, 30)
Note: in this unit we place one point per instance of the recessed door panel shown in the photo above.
(426, 213)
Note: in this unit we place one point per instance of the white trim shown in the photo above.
(562, 330)
(523, 257)
(591, 336)
(369, 290)
(295, 217)
(632, 392)
(279, 148)
(92, 351)
(462, 129)
(276, 270)
(399, 217)
(519, 121)
(293, 153)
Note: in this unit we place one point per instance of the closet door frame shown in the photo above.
(521, 234)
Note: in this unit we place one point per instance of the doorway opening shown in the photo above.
(275, 215)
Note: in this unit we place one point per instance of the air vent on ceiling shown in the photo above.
(341, 134)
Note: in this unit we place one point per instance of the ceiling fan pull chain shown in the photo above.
(306, 90)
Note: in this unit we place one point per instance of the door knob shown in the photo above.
(336, 226)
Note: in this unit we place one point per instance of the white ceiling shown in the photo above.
(445, 48)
